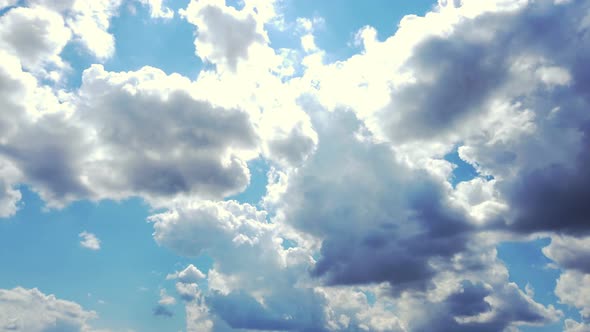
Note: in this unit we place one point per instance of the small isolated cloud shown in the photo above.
(189, 275)
(89, 241)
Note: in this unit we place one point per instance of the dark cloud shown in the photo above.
(378, 220)
(470, 301)
(161, 310)
(455, 79)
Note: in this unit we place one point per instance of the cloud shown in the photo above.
(188, 292)
(189, 275)
(161, 310)
(35, 35)
(167, 140)
(360, 229)
(9, 196)
(573, 326)
(165, 301)
(34, 126)
(476, 75)
(377, 219)
(250, 265)
(570, 252)
(157, 9)
(225, 35)
(89, 21)
(573, 289)
(32, 311)
(89, 241)
(7, 3)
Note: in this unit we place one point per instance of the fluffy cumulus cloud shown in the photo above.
(32, 311)
(252, 283)
(157, 138)
(35, 35)
(377, 219)
(477, 76)
(88, 20)
(572, 256)
(225, 35)
(189, 275)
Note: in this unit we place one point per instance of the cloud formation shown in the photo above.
(361, 227)
(32, 311)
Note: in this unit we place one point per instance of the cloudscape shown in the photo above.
(294, 165)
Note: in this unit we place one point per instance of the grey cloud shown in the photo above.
(162, 142)
(224, 35)
(161, 310)
(44, 153)
(378, 220)
(470, 301)
(35, 35)
(465, 76)
(570, 252)
(469, 310)
(292, 149)
(553, 198)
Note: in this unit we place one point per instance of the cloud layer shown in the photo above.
(362, 227)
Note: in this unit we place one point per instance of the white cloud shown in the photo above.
(573, 326)
(156, 137)
(29, 310)
(89, 241)
(89, 21)
(189, 275)
(166, 299)
(158, 9)
(573, 288)
(7, 3)
(570, 252)
(225, 36)
(35, 35)
(9, 196)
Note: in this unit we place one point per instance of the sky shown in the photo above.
(294, 165)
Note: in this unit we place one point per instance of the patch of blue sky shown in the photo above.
(258, 180)
(463, 170)
(344, 20)
(121, 281)
(527, 265)
(167, 44)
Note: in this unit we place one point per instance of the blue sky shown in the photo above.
(294, 165)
